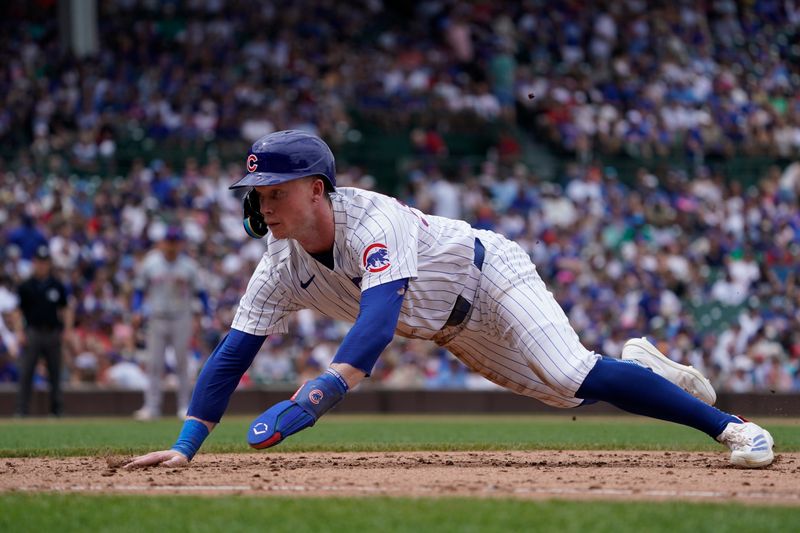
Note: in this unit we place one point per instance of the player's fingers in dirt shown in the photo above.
(170, 458)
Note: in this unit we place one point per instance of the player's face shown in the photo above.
(287, 208)
(171, 248)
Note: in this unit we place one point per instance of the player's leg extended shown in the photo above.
(530, 320)
(517, 302)
(638, 390)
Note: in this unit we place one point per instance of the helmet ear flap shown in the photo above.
(253, 222)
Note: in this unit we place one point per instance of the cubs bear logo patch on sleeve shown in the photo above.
(376, 257)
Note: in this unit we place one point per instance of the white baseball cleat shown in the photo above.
(686, 377)
(750, 444)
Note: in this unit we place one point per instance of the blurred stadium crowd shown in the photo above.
(623, 261)
(702, 78)
(702, 264)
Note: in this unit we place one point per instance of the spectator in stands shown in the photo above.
(27, 237)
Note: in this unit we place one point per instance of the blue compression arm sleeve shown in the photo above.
(374, 327)
(221, 374)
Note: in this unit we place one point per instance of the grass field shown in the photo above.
(38, 513)
(79, 512)
(92, 436)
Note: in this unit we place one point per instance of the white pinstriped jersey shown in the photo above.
(435, 253)
(516, 335)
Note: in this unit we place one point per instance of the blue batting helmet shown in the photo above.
(287, 155)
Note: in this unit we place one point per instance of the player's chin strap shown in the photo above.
(311, 401)
(254, 223)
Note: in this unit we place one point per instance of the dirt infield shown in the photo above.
(613, 475)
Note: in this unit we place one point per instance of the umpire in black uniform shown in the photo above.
(45, 311)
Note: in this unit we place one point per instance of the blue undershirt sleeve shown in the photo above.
(221, 374)
(374, 327)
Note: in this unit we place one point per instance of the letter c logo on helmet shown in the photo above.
(288, 155)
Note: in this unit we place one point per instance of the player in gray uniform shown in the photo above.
(364, 257)
(166, 284)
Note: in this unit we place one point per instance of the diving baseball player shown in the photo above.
(390, 269)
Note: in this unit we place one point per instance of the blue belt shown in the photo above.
(480, 253)
(462, 306)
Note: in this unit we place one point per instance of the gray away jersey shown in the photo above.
(377, 240)
(169, 288)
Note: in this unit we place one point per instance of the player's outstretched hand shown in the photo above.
(169, 458)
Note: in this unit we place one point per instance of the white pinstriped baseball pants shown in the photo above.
(517, 335)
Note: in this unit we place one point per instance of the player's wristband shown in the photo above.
(339, 378)
(191, 438)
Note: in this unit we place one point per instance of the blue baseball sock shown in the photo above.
(639, 390)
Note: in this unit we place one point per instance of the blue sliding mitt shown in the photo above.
(311, 401)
